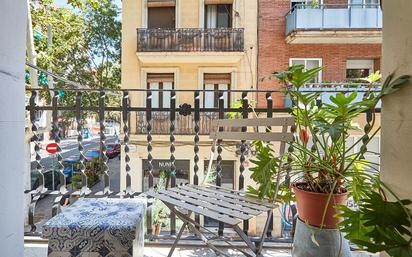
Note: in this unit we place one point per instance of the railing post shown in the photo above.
(172, 157)
(103, 156)
(149, 158)
(245, 115)
(125, 116)
(60, 167)
(39, 168)
(196, 145)
(219, 154)
(84, 189)
(269, 114)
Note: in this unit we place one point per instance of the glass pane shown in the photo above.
(155, 94)
(298, 62)
(182, 171)
(224, 14)
(209, 96)
(356, 3)
(225, 88)
(311, 64)
(167, 94)
(211, 16)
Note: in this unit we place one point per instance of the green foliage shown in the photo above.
(160, 212)
(379, 225)
(326, 160)
(86, 49)
(265, 171)
(328, 164)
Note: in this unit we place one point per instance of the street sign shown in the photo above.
(52, 148)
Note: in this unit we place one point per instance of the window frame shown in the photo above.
(161, 93)
(320, 74)
(145, 14)
(369, 64)
(216, 95)
(230, 18)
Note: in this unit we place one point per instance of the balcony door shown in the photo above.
(218, 15)
(215, 82)
(161, 14)
(159, 82)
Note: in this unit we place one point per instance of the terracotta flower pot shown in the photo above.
(311, 207)
(157, 228)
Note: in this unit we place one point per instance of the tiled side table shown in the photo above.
(97, 228)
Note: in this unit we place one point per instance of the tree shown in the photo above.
(86, 48)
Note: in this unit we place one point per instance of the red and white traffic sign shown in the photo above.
(52, 148)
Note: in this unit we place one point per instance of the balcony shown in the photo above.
(222, 45)
(183, 147)
(190, 40)
(334, 23)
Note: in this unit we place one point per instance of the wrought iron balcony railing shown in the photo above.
(190, 40)
(334, 16)
(175, 120)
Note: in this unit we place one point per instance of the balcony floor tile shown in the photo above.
(41, 251)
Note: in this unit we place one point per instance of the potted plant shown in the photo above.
(325, 169)
(160, 212)
(160, 215)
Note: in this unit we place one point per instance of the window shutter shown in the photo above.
(218, 1)
(161, 3)
(217, 78)
(160, 77)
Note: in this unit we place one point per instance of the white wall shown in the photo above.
(396, 109)
(13, 15)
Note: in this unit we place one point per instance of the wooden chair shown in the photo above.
(227, 206)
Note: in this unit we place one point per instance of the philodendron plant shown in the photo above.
(326, 163)
(322, 161)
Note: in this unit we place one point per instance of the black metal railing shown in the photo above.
(176, 120)
(190, 40)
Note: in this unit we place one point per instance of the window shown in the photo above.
(216, 82)
(357, 69)
(161, 14)
(309, 63)
(159, 81)
(294, 3)
(182, 171)
(364, 3)
(218, 15)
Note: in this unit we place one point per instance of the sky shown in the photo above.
(64, 2)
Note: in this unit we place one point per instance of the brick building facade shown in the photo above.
(276, 54)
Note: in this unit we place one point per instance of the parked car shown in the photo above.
(48, 180)
(92, 154)
(70, 166)
(113, 150)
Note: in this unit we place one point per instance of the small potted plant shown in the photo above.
(160, 215)
(160, 212)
